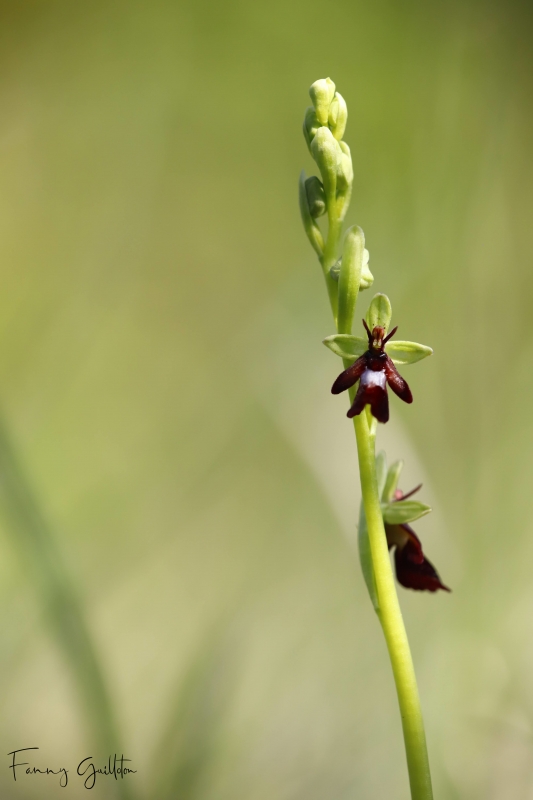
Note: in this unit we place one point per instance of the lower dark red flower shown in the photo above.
(413, 569)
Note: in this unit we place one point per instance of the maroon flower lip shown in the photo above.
(374, 370)
(413, 569)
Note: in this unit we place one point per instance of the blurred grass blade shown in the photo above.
(189, 744)
(33, 540)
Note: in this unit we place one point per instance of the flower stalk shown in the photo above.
(323, 129)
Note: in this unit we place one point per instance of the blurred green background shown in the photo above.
(164, 386)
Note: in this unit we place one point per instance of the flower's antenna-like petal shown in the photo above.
(350, 376)
(398, 385)
(389, 336)
(401, 496)
(368, 333)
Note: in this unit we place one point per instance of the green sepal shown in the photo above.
(365, 558)
(407, 352)
(403, 511)
(316, 198)
(321, 93)
(350, 277)
(381, 471)
(311, 228)
(346, 346)
(391, 484)
(379, 312)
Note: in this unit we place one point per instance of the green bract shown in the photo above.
(311, 228)
(379, 312)
(350, 277)
(391, 483)
(316, 199)
(401, 511)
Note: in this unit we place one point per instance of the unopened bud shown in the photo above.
(338, 116)
(367, 279)
(316, 197)
(326, 152)
(335, 270)
(322, 93)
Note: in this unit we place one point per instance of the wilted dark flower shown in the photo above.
(413, 570)
(374, 370)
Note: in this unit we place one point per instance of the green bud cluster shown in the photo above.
(324, 127)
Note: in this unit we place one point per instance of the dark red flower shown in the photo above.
(374, 370)
(413, 569)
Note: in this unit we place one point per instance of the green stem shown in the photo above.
(390, 616)
(389, 612)
(37, 549)
(328, 260)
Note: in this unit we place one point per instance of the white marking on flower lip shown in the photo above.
(372, 377)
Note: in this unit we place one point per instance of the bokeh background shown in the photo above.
(179, 489)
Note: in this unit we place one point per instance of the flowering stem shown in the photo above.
(390, 616)
(388, 610)
(324, 125)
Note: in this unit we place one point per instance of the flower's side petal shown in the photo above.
(350, 376)
(407, 352)
(398, 385)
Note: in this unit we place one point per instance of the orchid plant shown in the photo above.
(371, 362)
